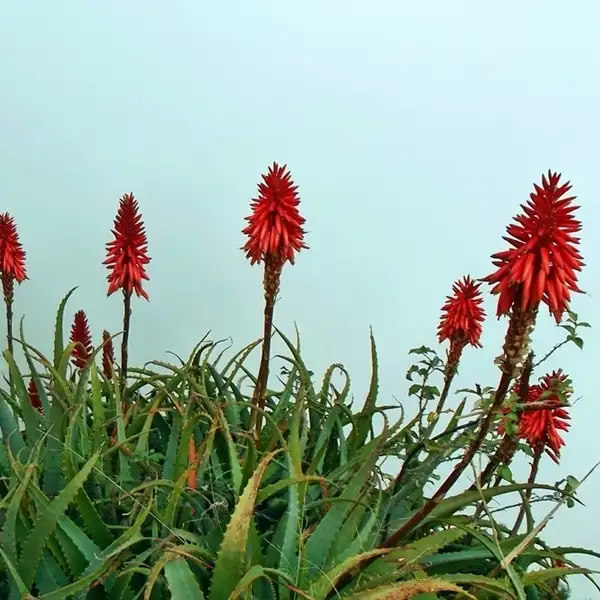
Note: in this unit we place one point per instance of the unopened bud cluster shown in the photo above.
(517, 341)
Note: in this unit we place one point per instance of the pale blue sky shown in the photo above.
(414, 130)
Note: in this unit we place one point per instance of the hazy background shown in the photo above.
(414, 130)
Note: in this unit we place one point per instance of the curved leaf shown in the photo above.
(231, 560)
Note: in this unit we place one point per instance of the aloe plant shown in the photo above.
(198, 480)
(97, 503)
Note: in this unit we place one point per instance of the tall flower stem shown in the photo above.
(272, 276)
(7, 288)
(515, 346)
(535, 464)
(125, 342)
(259, 397)
(126, 260)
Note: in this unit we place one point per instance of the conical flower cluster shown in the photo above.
(81, 336)
(127, 254)
(275, 227)
(462, 319)
(543, 261)
(462, 314)
(12, 255)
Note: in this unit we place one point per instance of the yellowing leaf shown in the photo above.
(409, 589)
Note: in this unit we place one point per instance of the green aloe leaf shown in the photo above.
(501, 589)
(46, 522)
(181, 580)
(93, 522)
(59, 346)
(543, 575)
(231, 561)
(364, 422)
(20, 585)
(318, 546)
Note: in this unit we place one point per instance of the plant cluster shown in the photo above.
(175, 481)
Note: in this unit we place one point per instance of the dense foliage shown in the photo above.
(201, 480)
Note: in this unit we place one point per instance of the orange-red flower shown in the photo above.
(543, 414)
(127, 254)
(108, 354)
(12, 255)
(34, 397)
(462, 314)
(540, 425)
(275, 225)
(80, 334)
(543, 262)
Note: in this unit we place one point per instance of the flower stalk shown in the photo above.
(126, 260)
(274, 234)
(461, 324)
(12, 268)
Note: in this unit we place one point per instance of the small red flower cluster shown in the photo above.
(81, 336)
(462, 314)
(12, 255)
(275, 225)
(34, 397)
(543, 414)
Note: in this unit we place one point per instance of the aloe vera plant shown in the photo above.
(198, 480)
(97, 503)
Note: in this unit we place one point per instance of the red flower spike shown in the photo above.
(275, 225)
(462, 314)
(108, 354)
(34, 397)
(542, 264)
(12, 255)
(80, 334)
(540, 423)
(127, 254)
